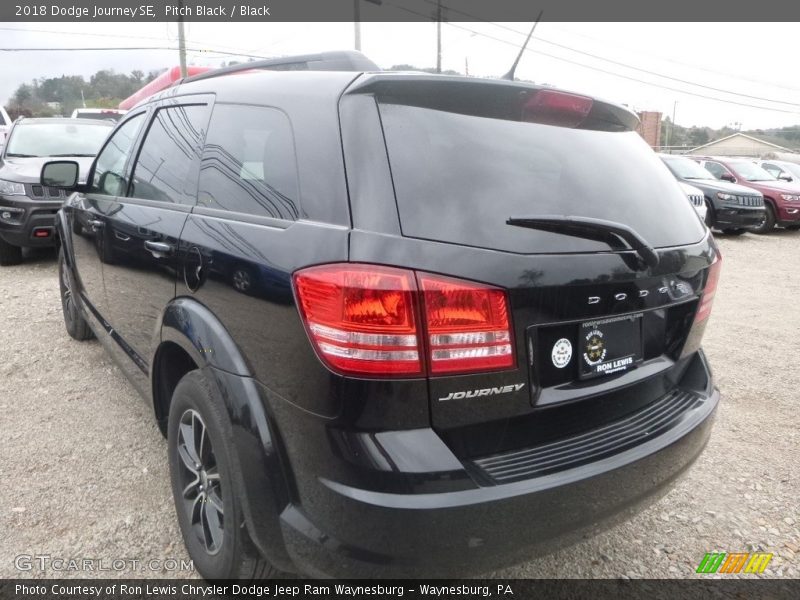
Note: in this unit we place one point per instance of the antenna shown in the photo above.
(510, 74)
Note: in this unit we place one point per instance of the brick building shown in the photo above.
(650, 127)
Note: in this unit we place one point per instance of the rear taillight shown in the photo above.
(364, 320)
(707, 299)
(467, 326)
(361, 318)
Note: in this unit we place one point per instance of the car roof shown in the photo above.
(65, 120)
(246, 83)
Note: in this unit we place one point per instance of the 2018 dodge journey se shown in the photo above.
(393, 324)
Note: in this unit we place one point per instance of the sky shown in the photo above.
(706, 74)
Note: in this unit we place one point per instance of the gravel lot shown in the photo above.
(83, 470)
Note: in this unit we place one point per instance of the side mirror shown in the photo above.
(728, 177)
(60, 174)
(785, 177)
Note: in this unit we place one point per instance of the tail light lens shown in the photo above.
(467, 325)
(362, 320)
(710, 290)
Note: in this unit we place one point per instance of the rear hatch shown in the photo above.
(521, 188)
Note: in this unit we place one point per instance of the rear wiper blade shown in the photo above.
(15, 155)
(75, 155)
(590, 229)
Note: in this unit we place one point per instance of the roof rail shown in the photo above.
(344, 60)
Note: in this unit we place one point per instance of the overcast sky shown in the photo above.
(648, 66)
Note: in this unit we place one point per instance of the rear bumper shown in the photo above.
(466, 532)
(21, 219)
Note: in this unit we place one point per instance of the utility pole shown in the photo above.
(438, 36)
(672, 125)
(181, 39)
(357, 23)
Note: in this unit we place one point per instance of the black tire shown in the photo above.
(76, 325)
(9, 254)
(768, 223)
(709, 220)
(734, 231)
(201, 462)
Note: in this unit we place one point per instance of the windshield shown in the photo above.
(458, 178)
(792, 168)
(751, 171)
(686, 168)
(57, 139)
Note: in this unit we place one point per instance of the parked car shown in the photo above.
(101, 114)
(697, 200)
(28, 208)
(5, 123)
(781, 198)
(730, 208)
(781, 169)
(432, 371)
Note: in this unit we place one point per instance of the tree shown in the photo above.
(698, 136)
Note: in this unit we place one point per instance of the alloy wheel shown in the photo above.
(241, 280)
(200, 481)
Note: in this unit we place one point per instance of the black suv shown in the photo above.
(394, 323)
(731, 208)
(28, 209)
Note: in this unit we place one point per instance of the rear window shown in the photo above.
(459, 177)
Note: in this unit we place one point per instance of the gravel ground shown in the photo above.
(83, 470)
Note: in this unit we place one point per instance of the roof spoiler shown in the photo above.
(344, 60)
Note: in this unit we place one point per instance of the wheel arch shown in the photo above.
(64, 241)
(192, 337)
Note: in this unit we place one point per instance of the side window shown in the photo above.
(109, 171)
(716, 169)
(166, 168)
(249, 163)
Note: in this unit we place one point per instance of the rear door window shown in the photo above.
(459, 177)
(249, 164)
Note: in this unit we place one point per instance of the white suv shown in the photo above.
(5, 123)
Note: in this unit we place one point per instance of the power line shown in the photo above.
(619, 63)
(103, 35)
(598, 69)
(641, 70)
(683, 64)
(118, 48)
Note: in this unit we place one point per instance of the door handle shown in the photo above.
(158, 247)
(96, 224)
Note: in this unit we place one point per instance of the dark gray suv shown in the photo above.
(732, 208)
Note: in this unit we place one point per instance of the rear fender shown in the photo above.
(260, 473)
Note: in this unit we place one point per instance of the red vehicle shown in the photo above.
(781, 198)
(162, 82)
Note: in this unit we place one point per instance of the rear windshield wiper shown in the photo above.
(590, 229)
(15, 155)
(70, 154)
